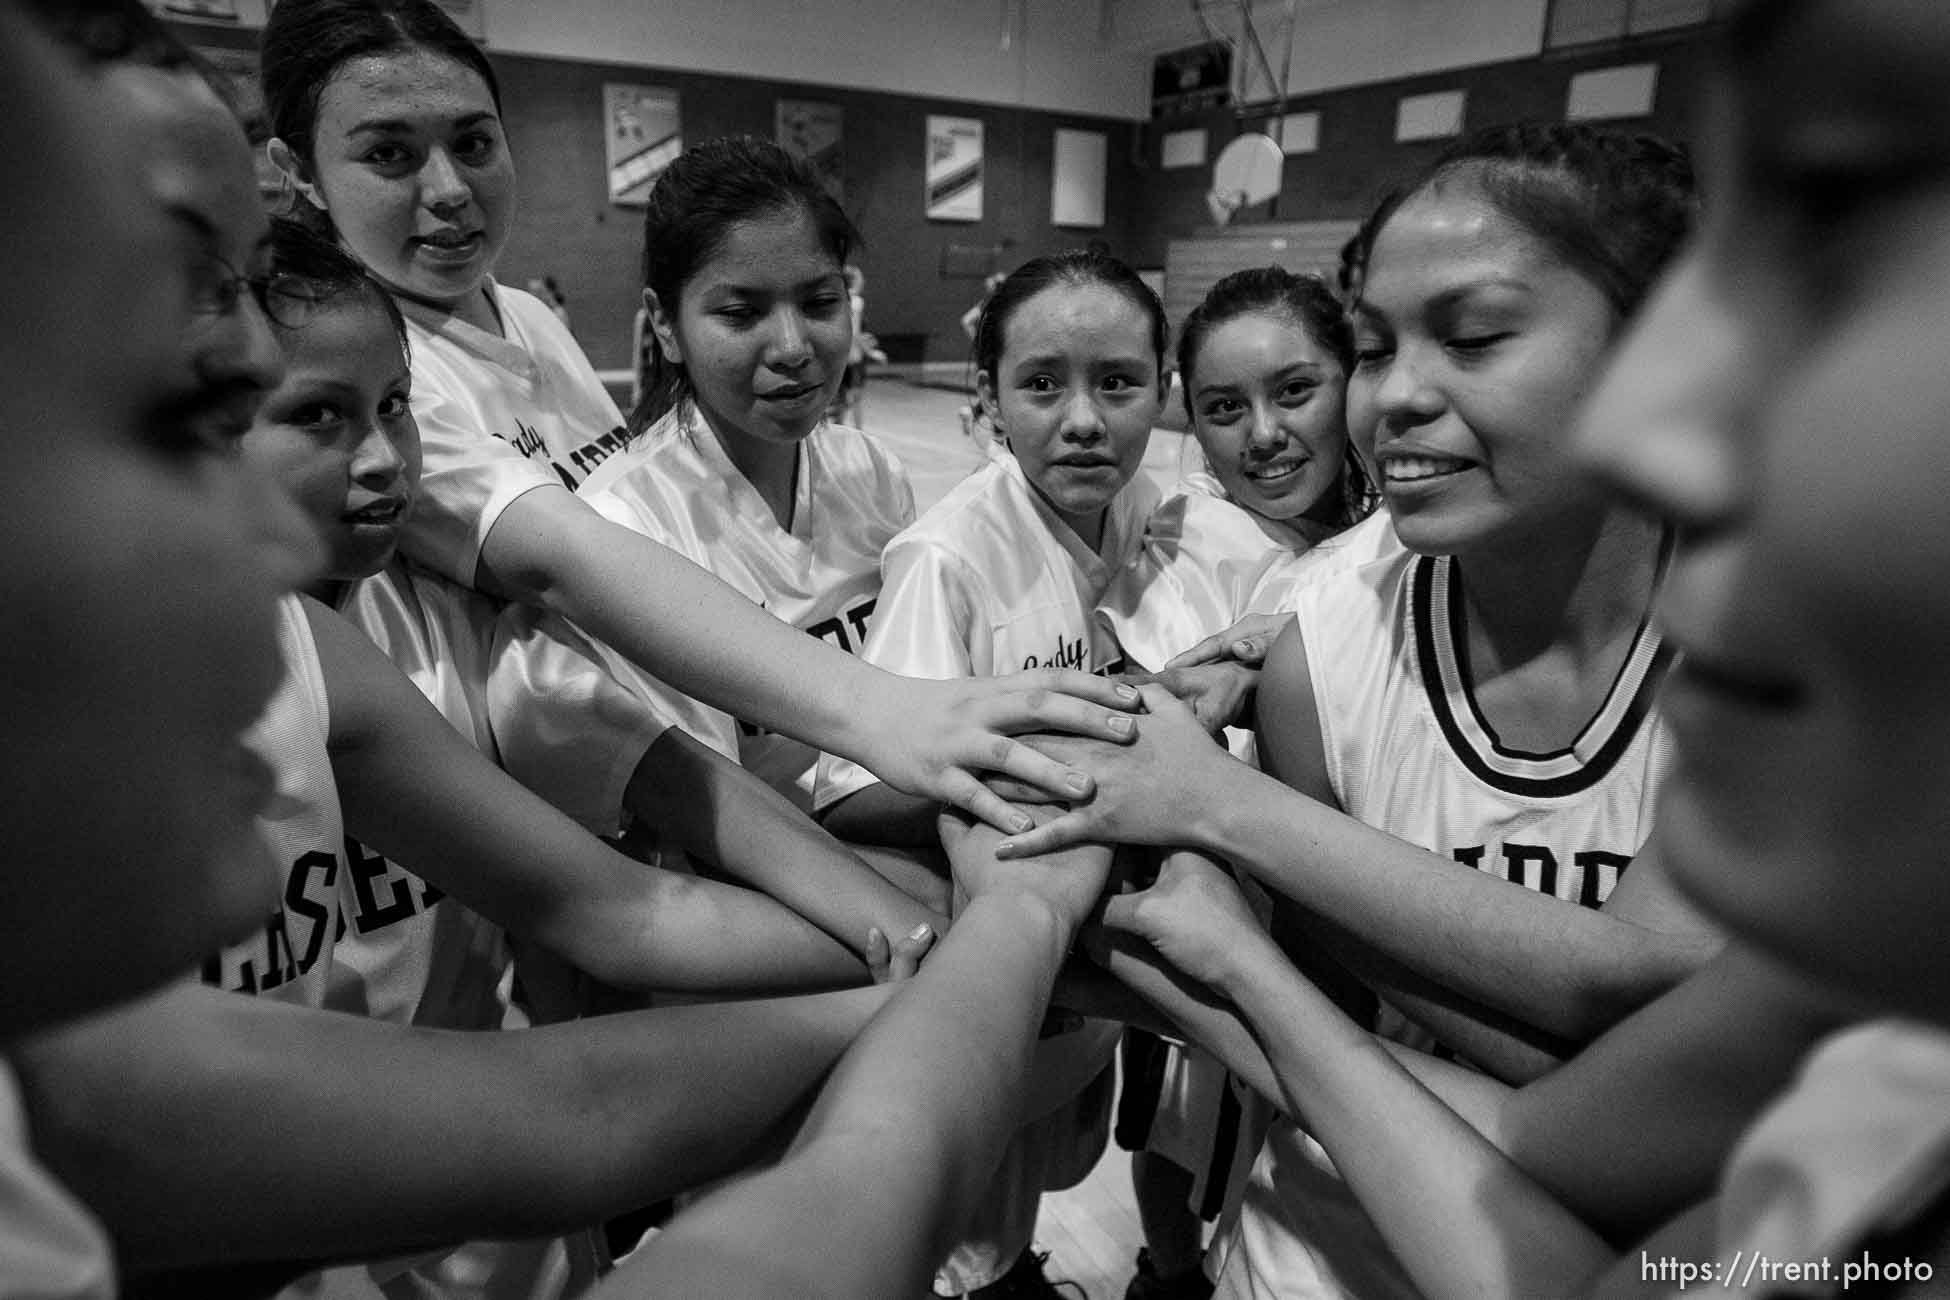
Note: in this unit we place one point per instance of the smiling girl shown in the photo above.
(1476, 712)
(388, 128)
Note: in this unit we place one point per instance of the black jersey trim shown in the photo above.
(1441, 648)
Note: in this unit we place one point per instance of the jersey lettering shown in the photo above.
(847, 630)
(274, 960)
(528, 441)
(1593, 872)
(591, 454)
(405, 894)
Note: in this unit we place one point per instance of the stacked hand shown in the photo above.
(1149, 791)
(1070, 880)
(1245, 642)
(1194, 916)
(937, 738)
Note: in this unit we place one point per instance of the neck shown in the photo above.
(475, 307)
(328, 591)
(1573, 589)
(772, 468)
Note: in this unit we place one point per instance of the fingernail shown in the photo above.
(920, 932)
(1128, 694)
(875, 936)
(1077, 783)
(1020, 823)
(1006, 849)
(1121, 725)
(1242, 648)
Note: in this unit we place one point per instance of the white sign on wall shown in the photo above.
(1429, 117)
(1612, 92)
(954, 169)
(1077, 179)
(641, 136)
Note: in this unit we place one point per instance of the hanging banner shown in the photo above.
(811, 130)
(954, 169)
(642, 137)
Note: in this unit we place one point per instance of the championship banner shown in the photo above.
(954, 169)
(811, 130)
(643, 138)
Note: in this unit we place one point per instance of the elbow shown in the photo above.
(1656, 966)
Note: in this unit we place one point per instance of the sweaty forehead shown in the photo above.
(1063, 317)
(1445, 242)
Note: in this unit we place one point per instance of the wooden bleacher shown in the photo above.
(1194, 265)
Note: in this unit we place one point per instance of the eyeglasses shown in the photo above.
(217, 287)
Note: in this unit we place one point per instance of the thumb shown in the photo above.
(1120, 913)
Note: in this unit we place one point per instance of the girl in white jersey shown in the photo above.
(1804, 584)
(387, 125)
(1003, 573)
(734, 467)
(1263, 362)
(1477, 729)
(126, 1103)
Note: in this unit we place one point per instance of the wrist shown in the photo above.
(1018, 912)
(1251, 964)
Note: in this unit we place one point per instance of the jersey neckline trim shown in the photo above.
(1440, 645)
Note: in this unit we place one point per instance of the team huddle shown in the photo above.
(1472, 835)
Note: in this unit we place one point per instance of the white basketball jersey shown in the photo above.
(821, 575)
(1193, 575)
(410, 954)
(499, 415)
(291, 957)
(1279, 584)
(1408, 751)
(992, 581)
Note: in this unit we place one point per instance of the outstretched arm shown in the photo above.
(413, 789)
(915, 1116)
(715, 809)
(1463, 1219)
(204, 1127)
(1565, 971)
(550, 549)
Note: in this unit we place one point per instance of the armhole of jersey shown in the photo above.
(305, 664)
(1305, 604)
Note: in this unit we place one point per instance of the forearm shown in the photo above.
(751, 833)
(1568, 971)
(668, 931)
(1462, 1218)
(910, 1125)
(880, 814)
(677, 621)
(205, 1127)
(1198, 1014)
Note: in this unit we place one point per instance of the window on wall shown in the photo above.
(1585, 22)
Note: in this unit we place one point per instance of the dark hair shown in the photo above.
(1614, 205)
(710, 188)
(306, 41)
(1084, 267)
(307, 271)
(1305, 301)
